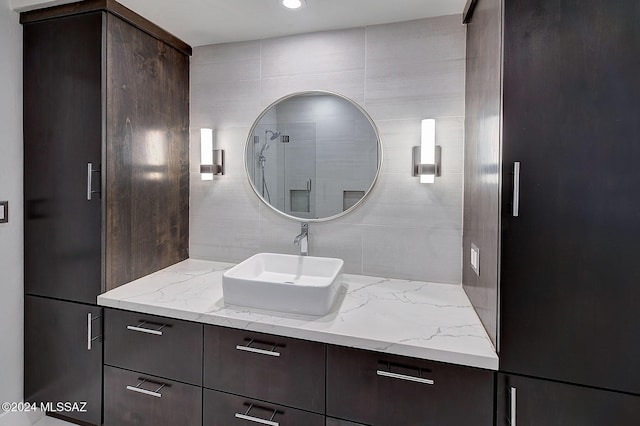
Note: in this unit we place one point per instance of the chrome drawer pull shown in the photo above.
(247, 417)
(248, 348)
(90, 173)
(512, 412)
(138, 389)
(516, 189)
(90, 338)
(405, 377)
(157, 331)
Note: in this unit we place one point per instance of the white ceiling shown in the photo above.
(201, 22)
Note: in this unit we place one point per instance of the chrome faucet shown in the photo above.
(303, 239)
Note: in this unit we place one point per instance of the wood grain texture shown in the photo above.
(542, 402)
(176, 354)
(62, 133)
(337, 422)
(59, 368)
(482, 160)
(569, 276)
(114, 8)
(459, 396)
(220, 409)
(269, 378)
(147, 154)
(180, 404)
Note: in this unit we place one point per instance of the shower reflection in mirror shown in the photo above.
(313, 155)
(269, 136)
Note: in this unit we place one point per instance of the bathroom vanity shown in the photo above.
(389, 350)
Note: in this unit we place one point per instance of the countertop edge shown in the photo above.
(431, 354)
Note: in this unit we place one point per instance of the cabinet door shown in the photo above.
(533, 402)
(61, 363)
(62, 135)
(381, 389)
(223, 409)
(569, 274)
(137, 399)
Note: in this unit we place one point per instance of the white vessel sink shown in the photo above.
(282, 282)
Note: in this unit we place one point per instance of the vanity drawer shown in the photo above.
(337, 422)
(223, 409)
(155, 345)
(380, 389)
(132, 398)
(270, 368)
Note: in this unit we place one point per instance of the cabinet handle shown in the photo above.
(405, 377)
(139, 328)
(248, 348)
(512, 411)
(516, 188)
(247, 417)
(90, 173)
(141, 390)
(90, 338)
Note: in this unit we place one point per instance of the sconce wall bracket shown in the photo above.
(217, 168)
(427, 169)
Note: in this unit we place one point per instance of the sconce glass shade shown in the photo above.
(292, 4)
(428, 148)
(206, 152)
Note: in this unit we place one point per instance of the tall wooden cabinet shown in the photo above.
(569, 281)
(570, 205)
(106, 104)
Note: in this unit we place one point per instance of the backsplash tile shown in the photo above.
(409, 252)
(226, 238)
(400, 73)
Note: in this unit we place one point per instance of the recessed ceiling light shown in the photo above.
(292, 4)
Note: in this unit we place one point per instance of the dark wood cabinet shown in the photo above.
(223, 409)
(381, 389)
(146, 154)
(266, 367)
(62, 136)
(67, 374)
(105, 168)
(159, 346)
(531, 402)
(106, 109)
(337, 422)
(132, 398)
(561, 76)
(569, 284)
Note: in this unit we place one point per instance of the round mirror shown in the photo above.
(313, 156)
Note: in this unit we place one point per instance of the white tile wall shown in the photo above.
(400, 73)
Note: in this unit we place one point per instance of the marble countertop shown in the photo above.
(412, 318)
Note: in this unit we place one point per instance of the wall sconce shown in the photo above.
(211, 160)
(293, 4)
(427, 156)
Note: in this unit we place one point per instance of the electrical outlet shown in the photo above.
(4, 211)
(475, 259)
